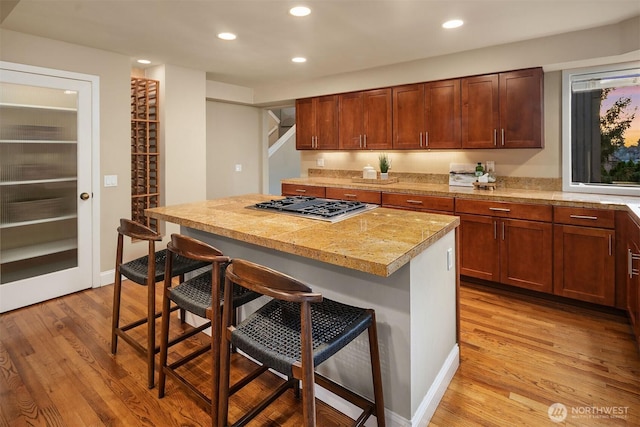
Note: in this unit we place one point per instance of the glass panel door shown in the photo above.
(41, 203)
(38, 181)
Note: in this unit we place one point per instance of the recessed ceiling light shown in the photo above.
(299, 59)
(300, 11)
(454, 23)
(144, 61)
(227, 36)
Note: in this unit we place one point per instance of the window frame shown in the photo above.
(568, 76)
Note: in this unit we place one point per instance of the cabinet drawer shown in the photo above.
(412, 201)
(584, 216)
(505, 209)
(302, 190)
(365, 196)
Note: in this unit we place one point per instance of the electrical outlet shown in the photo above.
(320, 162)
(238, 167)
(449, 259)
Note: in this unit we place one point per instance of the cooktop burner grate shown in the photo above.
(316, 208)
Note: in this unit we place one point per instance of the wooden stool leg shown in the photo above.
(164, 341)
(376, 372)
(115, 320)
(151, 332)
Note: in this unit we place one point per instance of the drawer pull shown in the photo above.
(350, 195)
(301, 190)
(500, 209)
(630, 258)
(593, 218)
(415, 202)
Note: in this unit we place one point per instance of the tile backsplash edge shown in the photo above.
(525, 183)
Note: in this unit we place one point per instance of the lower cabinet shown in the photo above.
(584, 251)
(303, 190)
(513, 245)
(433, 204)
(365, 196)
(633, 277)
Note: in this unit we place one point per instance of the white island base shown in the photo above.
(416, 315)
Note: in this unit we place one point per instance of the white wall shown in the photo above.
(234, 137)
(183, 142)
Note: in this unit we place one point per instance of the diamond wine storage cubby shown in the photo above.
(145, 180)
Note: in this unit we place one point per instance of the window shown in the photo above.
(601, 130)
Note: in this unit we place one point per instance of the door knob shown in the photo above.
(84, 196)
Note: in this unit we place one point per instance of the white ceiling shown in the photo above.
(339, 36)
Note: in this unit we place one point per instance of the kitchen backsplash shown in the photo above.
(544, 184)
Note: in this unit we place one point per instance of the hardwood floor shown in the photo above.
(518, 356)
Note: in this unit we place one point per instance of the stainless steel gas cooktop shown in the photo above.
(316, 208)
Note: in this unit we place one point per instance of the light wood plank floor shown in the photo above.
(518, 356)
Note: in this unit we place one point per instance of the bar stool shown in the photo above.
(145, 273)
(202, 296)
(293, 333)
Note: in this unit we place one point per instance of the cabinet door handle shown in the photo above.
(495, 230)
(593, 218)
(426, 139)
(500, 209)
(495, 136)
(502, 132)
(420, 139)
(300, 190)
(360, 140)
(502, 230)
(630, 258)
(610, 245)
(365, 140)
(414, 202)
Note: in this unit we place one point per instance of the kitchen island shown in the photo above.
(403, 264)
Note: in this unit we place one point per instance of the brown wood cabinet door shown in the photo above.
(305, 124)
(584, 265)
(408, 116)
(521, 119)
(480, 111)
(633, 290)
(327, 122)
(443, 116)
(526, 254)
(303, 190)
(479, 250)
(377, 119)
(351, 119)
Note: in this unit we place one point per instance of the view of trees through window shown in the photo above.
(605, 128)
(620, 135)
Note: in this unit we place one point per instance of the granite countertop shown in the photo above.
(379, 241)
(558, 198)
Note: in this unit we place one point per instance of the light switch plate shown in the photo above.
(111, 180)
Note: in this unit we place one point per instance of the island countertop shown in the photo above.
(379, 241)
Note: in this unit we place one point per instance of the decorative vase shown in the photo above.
(384, 175)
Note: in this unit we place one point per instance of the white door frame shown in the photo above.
(94, 114)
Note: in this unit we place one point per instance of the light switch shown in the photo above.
(111, 180)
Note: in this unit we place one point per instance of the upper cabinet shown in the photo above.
(427, 115)
(317, 123)
(503, 110)
(365, 120)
